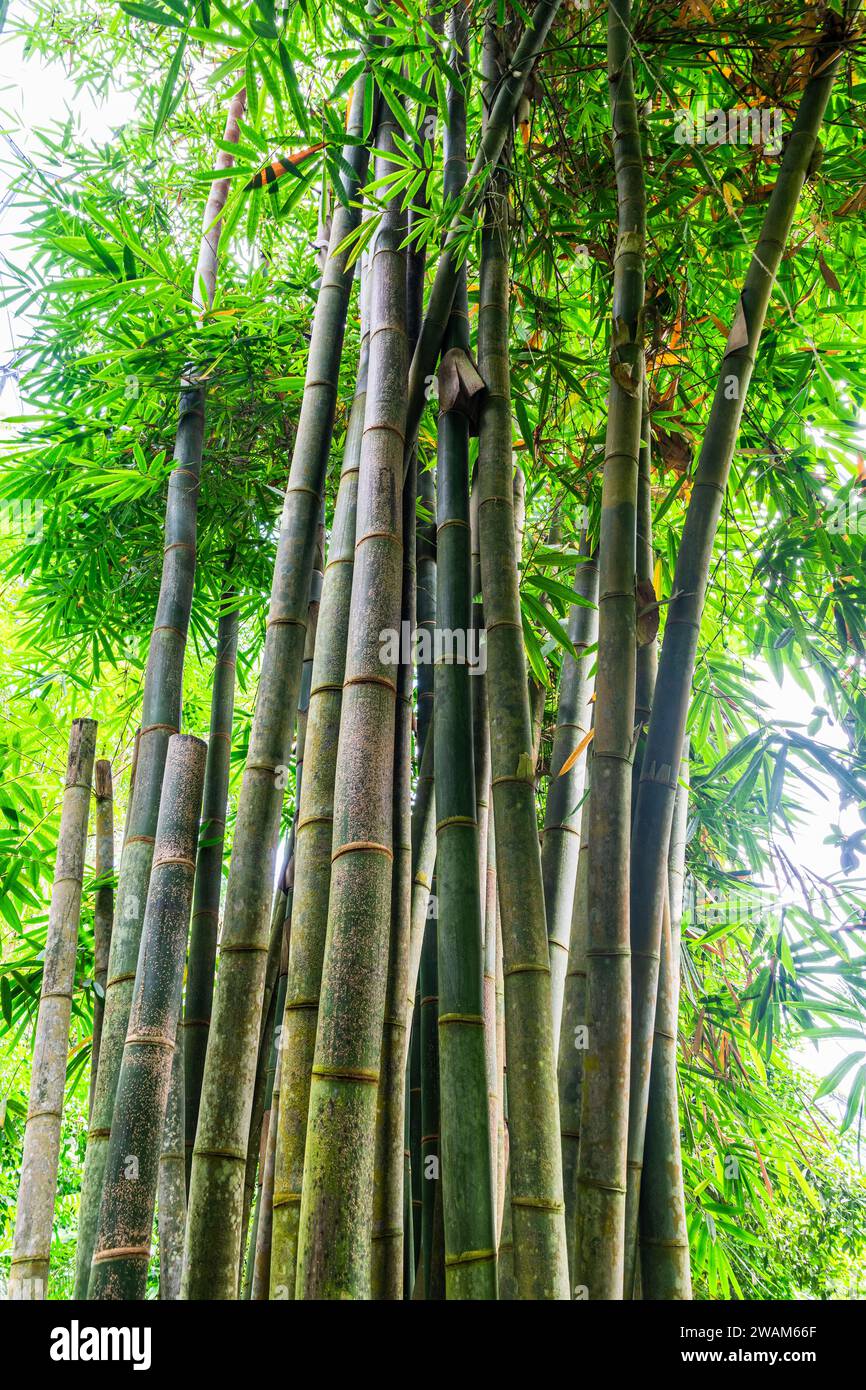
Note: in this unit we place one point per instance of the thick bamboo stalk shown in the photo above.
(313, 851)
(160, 718)
(470, 1249)
(208, 871)
(600, 1216)
(536, 1169)
(171, 1182)
(497, 129)
(335, 1228)
(31, 1243)
(103, 908)
(388, 1232)
(658, 783)
(560, 845)
(215, 1218)
(122, 1249)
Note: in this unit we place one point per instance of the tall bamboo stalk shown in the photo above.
(388, 1231)
(215, 1218)
(664, 1238)
(103, 909)
(122, 1249)
(208, 871)
(470, 1247)
(31, 1243)
(160, 718)
(313, 850)
(560, 845)
(334, 1237)
(536, 1169)
(171, 1181)
(572, 1042)
(664, 746)
(600, 1213)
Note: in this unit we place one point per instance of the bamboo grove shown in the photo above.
(392, 977)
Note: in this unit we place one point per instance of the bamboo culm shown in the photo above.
(171, 1181)
(665, 734)
(160, 718)
(466, 1180)
(215, 1217)
(312, 870)
(103, 908)
(601, 1178)
(37, 1189)
(122, 1249)
(334, 1244)
(208, 870)
(560, 845)
(536, 1169)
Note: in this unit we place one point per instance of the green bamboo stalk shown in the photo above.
(433, 1275)
(261, 1243)
(261, 1147)
(470, 1252)
(491, 1042)
(536, 1171)
(208, 873)
(254, 1173)
(658, 783)
(171, 1181)
(664, 1237)
(497, 129)
(334, 1236)
(560, 845)
(215, 1218)
(122, 1249)
(572, 1042)
(414, 1121)
(160, 718)
(313, 850)
(388, 1232)
(601, 1179)
(132, 768)
(103, 909)
(31, 1243)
